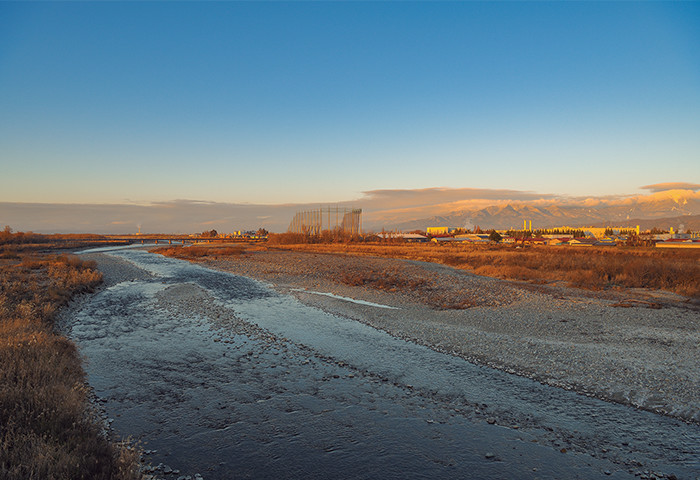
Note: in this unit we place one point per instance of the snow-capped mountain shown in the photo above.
(565, 212)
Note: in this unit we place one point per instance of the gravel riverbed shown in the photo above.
(220, 374)
(639, 349)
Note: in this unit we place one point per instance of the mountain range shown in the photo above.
(667, 205)
(664, 209)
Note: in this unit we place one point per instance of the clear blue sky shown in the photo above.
(320, 101)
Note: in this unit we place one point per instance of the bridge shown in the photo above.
(158, 239)
(177, 239)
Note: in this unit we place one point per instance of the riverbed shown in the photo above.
(224, 376)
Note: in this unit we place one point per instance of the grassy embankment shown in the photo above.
(593, 268)
(47, 427)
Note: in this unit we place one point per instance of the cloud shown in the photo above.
(179, 216)
(660, 187)
(382, 208)
(388, 208)
(431, 196)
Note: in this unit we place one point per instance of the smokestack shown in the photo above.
(530, 225)
(524, 224)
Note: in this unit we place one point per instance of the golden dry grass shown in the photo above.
(47, 430)
(593, 268)
(195, 252)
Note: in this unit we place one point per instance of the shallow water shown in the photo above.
(223, 376)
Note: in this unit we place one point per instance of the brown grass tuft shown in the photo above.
(195, 252)
(382, 281)
(398, 282)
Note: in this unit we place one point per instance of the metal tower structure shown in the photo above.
(313, 222)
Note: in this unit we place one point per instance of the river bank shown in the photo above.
(48, 426)
(220, 374)
(635, 349)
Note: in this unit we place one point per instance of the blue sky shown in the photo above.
(316, 102)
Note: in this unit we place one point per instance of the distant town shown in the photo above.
(559, 236)
(610, 236)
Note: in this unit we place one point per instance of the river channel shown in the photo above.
(220, 375)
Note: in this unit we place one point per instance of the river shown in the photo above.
(219, 375)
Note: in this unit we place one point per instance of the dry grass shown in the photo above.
(593, 268)
(589, 267)
(381, 281)
(391, 281)
(396, 281)
(195, 252)
(326, 236)
(47, 430)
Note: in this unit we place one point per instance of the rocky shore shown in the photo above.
(638, 349)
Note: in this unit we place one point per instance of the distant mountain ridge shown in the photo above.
(662, 209)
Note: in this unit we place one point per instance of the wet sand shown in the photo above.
(609, 345)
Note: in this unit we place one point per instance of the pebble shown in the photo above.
(542, 356)
(507, 314)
